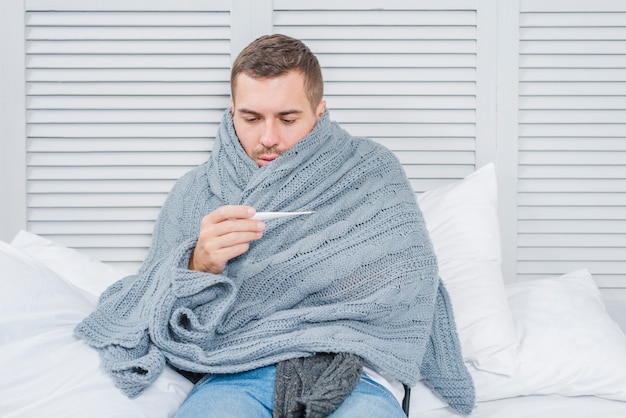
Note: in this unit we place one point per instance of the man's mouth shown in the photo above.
(265, 159)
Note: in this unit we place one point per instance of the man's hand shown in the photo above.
(225, 233)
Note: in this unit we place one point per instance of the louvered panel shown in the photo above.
(432, 103)
(420, 84)
(571, 130)
(126, 186)
(565, 226)
(122, 75)
(68, 214)
(376, 60)
(125, 47)
(575, 116)
(573, 33)
(72, 228)
(395, 115)
(102, 90)
(400, 46)
(85, 18)
(360, 16)
(573, 172)
(121, 116)
(372, 73)
(134, 172)
(118, 144)
(427, 144)
(605, 89)
(583, 103)
(375, 32)
(564, 144)
(401, 73)
(108, 240)
(202, 103)
(571, 158)
(118, 130)
(96, 199)
(560, 240)
(125, 61)
(565, 60)
(589, 213)
(615, 185)
(570, 50)
(593, 198)
(528, 74)
(112, 159)
(572, 139)
(392, 5)
(122, 100)
(130, 33)
(575, 254)
(411, 130)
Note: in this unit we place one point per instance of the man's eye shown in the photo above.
(289, 121)
(251, 120)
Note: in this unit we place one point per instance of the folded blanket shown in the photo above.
(358, 276)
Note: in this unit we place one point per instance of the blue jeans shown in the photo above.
(251, 395)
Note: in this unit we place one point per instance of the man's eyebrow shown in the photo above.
(251, 112)
(289, 112)
(283, 113)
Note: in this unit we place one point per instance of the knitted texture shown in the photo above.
(449, 379)
(313, 387)
(358, 276)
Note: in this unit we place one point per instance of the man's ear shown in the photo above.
(321, 108)
(232, 107)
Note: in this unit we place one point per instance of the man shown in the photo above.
(323, 314)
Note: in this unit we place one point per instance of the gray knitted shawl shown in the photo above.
(358, 276)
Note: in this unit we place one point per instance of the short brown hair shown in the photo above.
(276, 55)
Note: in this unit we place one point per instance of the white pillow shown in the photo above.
(84, 272)
(46, 370)
(462, 220)
(569, 345)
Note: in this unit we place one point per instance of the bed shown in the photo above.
(546, 348)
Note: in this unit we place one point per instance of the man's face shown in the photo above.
(272, 114)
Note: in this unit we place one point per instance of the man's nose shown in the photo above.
(269, 137)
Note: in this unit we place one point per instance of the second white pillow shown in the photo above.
(462, 219)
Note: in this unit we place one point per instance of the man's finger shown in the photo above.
(224, 213)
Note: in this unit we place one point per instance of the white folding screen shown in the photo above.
(572, 139)
(401, 73)
(122, 97)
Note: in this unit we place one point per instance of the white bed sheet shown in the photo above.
(548, 406)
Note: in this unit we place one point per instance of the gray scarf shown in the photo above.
(313, 387)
